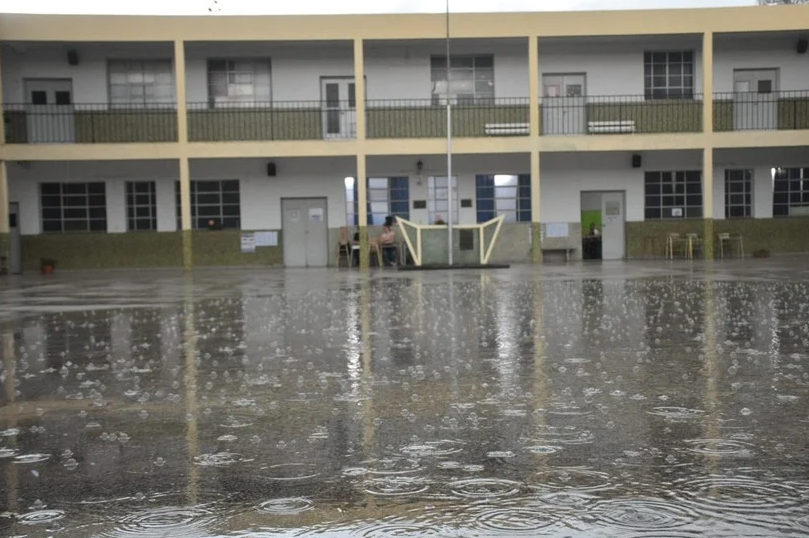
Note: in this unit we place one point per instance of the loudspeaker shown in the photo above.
(72, 57)
(636, 160)
(271, 171)
(803, 44)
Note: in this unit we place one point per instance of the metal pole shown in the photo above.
(449, 146)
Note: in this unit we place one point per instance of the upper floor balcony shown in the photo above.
(268, 91)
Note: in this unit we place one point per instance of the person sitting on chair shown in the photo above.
(386, 242)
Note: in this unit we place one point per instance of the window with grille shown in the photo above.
(738, 193)
(141, 206)
(673, 195)
(212, 200)
(790, 192)
(386, 196)
(668, 75)
(141, 82)
(471, 79)
(234, 82)
(438, 199)
(501, 194)
(74, 207)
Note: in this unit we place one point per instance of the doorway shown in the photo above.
(564, 110)
(14, 239)
(755, 99)
(338, 95)
(605, 213)
(49, 111)
(305, 232)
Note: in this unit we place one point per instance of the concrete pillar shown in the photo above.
(185, 214)
(179, 81)
(5, 239)
(361, 184)
(707, 152)
(536, 227)
(359, 87)
(536, 128)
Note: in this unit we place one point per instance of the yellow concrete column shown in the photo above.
(361, 189)
(533, 86)
(359, 87)
(179, 81)
(185, 215)
(4, 224)
(707, 152)
(536, 226)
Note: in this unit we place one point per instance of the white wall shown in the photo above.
(402, 70)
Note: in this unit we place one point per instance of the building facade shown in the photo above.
(166, 141)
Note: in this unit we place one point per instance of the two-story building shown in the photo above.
(127, 138)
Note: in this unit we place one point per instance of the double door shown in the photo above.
(49, 111)
(338, 95)
(564, 104)
(755, 99)
(305, 232)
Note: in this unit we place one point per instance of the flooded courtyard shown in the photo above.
(628, 400)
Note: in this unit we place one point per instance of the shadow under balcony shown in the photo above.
(89, 123)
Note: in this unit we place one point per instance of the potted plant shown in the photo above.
(47, 265)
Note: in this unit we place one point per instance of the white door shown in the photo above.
(755, 101)
(49, 111)
(564, 107)
(305, 232)
(339, 107)
(613, 242)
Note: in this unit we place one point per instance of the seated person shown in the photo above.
(386, 242)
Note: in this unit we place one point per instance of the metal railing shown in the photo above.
(92, 123)
(427, 118)
(277, 120)
(748, 111)
(619, 114)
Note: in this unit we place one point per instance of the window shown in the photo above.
(141, 205)
(141, 82)
(673, 195)
(790, 192)
(738, 193)
(506, 195)
(668, 75)
(386, 196)
(471, 78)
(239, 81)
(74, 207)
(217, 200)
(438, 199)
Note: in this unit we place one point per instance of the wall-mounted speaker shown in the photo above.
(803, 45)
(72, 57)
(636, 160)
(271, 170)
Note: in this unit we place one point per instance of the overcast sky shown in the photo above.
(234, 7)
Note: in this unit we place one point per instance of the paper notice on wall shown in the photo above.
(556, 229)
(294, 215)
(248, 242)
(316, 214)
(266, 239)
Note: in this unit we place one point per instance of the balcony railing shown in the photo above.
(619, 114)
(426, 118)
(89, 123)
(761, 111)
(278, 120)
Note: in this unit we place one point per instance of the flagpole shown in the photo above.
(449, 145)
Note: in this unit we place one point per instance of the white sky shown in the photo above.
(234, 7)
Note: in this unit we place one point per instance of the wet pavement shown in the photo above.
(628, 399)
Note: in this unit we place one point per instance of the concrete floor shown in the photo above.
(615, 399)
